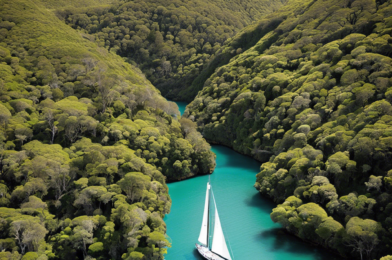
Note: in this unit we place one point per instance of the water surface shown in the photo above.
(243, 212)
(181, 106)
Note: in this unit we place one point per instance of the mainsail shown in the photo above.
(218, 241)
(203, 237)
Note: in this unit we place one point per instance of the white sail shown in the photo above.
(218, 241)
(204, 226)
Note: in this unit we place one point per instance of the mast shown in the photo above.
(208, 210)
(203, 237)
(208, 215)
(219, 245)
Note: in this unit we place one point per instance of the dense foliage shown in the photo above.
(86, 146)
(171, 41)
(312, 101)
(87, 143)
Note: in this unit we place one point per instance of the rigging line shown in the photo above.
(232, 254)
(213, 198)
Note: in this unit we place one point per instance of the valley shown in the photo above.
(286, 105)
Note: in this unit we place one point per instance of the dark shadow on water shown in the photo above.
(284, 241)
(229, 158)
(196, 255)
(258, 201)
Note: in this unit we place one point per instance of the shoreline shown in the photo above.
(308, 242)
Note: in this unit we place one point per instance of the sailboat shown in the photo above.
(217, 248)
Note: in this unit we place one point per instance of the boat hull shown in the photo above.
(207, 253)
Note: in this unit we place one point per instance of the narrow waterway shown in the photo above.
(244, 214)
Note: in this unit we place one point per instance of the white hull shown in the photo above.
(207, 254)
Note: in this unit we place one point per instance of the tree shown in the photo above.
(96, 248)
(172, 110)
(352, 205)
(89, 64)
(72, 128)
(87, 123)
(49, 117)
(364, 93)
(143, 96)
(28, 234)
(23, 133)
(375, 182)
(5, 114)
(33, 186)
(129, 101)
(133, 184)
(107, 95)
(88, 196)
(349, 77)
(61, 176)
(187, 126)
(260, 101)
(158, 239)
(34, 203)
(135, 256)
(329, 231)
(362, 235)
(83, 235)
(166, 68)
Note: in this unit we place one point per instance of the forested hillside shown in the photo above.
(86, 145)
(311, 99)
(171, 41)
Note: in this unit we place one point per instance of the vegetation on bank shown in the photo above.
(171, 41)
(87, 143)
(86, 146)
(311, 99)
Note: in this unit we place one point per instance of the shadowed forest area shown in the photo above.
(171, 41)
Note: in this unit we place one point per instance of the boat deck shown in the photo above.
(207, 254)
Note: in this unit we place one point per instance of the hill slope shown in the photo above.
(171, 41)
(86, 145)
(312, 100)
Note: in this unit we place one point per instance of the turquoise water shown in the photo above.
(182, 106)
(244, 215)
